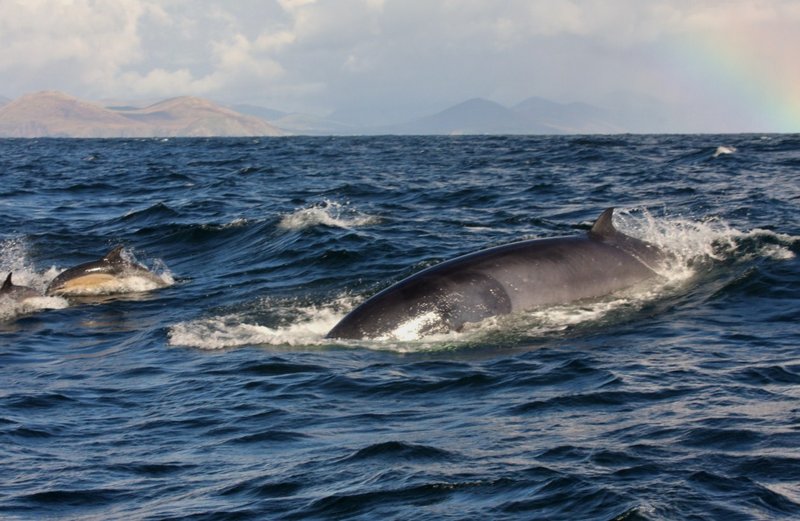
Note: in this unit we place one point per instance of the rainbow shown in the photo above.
(750, 70)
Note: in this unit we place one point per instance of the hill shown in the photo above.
(55, 114)
(531, 116)
(474, 116)
(570, 118)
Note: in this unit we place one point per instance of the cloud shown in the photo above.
(130, 47)
(316, 55)
(97, 39)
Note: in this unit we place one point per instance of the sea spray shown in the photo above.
(326, 213)
(15, 258)
(292, 323)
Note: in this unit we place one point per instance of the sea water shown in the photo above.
(219, 397)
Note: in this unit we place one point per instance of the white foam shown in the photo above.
(307, 326)
(689, 241)
(415, 328)
(14, 259)
(326, 213)
(777, 247)
(230, 331)
(685, 240)
(724, 150)
(11, 309)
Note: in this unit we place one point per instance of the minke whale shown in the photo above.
(505, 279)
(17, 293)
(112, 274)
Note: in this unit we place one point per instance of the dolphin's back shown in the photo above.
(98, 276)
(11, 290)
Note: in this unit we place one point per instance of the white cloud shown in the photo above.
(37, 33)
(317, 54)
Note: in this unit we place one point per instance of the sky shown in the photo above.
(731, 65)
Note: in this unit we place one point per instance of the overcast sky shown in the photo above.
(736, 62)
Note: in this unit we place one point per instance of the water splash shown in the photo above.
(724, 150)
(326, 213)
(302, 325)
(690, 241)
(11, 309)
(14, 258)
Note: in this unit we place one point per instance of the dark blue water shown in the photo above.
(217, 397)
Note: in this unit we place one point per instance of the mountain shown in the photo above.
(55, 114)
(197, 117)
(260, 112)
(568, 118)
(531, 116)
(474, 116)
(310, 125)
(298, 123)
(4, 100)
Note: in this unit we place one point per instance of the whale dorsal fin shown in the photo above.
(7, 284)
(603, 226)
(114, 256)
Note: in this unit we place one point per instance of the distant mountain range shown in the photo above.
(532, 116)
(56, 114)
(475, 116)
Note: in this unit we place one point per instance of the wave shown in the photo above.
(724, 150)
(326, 213)
(11, 309)
(232, 331)
(694, 247)
(155, 213)
(300, 325)
(704, 155)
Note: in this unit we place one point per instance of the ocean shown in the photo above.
(218, 396)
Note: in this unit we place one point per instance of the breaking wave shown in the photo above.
(326, 213)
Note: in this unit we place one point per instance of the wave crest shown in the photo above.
(326, 213)
(307, 326)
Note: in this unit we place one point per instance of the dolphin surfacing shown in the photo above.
(112, 274)
(17, 293)
(505, 279)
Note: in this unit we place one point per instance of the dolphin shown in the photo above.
(17, 293)
(505, 279)
(109, 275)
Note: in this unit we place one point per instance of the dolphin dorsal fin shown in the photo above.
(7, 284)
(114, 256)
(603, 226)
